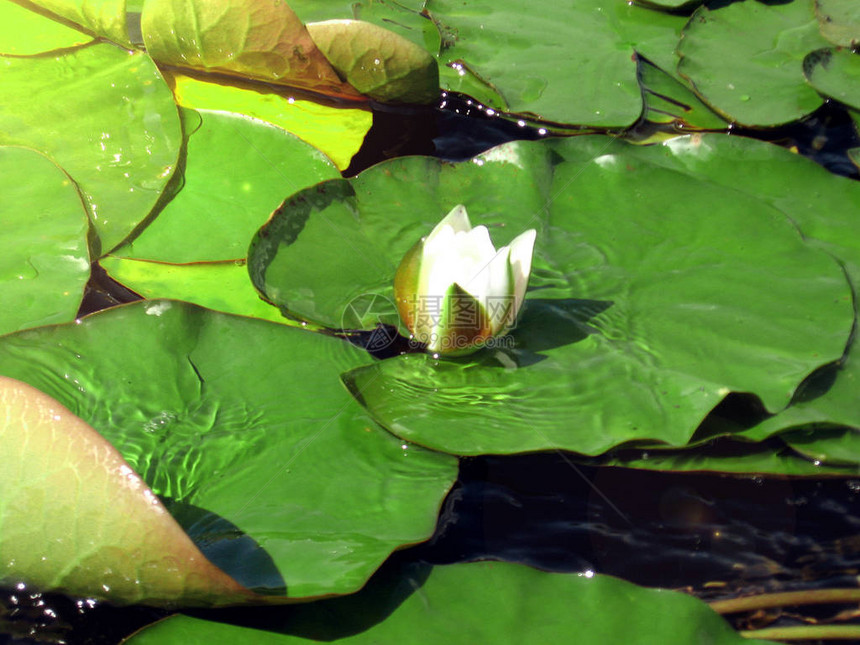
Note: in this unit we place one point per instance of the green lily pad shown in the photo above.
(823, 206)
(625, 297)
(99, 530)
(745, 60)
(289, 494)
(24, 32)
(734, 457)
(104, 18)
(512, 58)
(45, 263)
(221, 286)
(839, 21)
(403, 18)
(378, 62)
(653, 34)
(337, 131)
(260, 39)
(529, 61)
(237, 171)
(480, 602)
(122, 145)
(835, 73)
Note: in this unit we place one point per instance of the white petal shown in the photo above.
(491, 287)
(436, 264)
(457, 221)
(476, 245)
(522, 249)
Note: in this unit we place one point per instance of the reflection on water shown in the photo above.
(713, 535)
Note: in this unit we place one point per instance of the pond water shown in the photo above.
(712, 535)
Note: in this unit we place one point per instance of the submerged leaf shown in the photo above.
(45, 263)
(75, 517)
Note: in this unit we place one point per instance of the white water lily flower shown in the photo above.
(455, 291)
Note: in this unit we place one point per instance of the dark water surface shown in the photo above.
(712, 535)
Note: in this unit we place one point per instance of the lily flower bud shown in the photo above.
(455, 291)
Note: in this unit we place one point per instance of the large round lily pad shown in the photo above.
(825, 208)
(653, 295)
(243, 429)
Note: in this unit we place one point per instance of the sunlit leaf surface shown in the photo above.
(222, 286)
(336, 131)
(45, 263)
(104, 18)
(288, 493)
(251, 38)
(75, 517)
(122, 145)
(452, 605)
(237, 170)
(24, 32)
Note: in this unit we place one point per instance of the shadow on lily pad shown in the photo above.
(227, 546)
(547, 324)
(335, 618)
